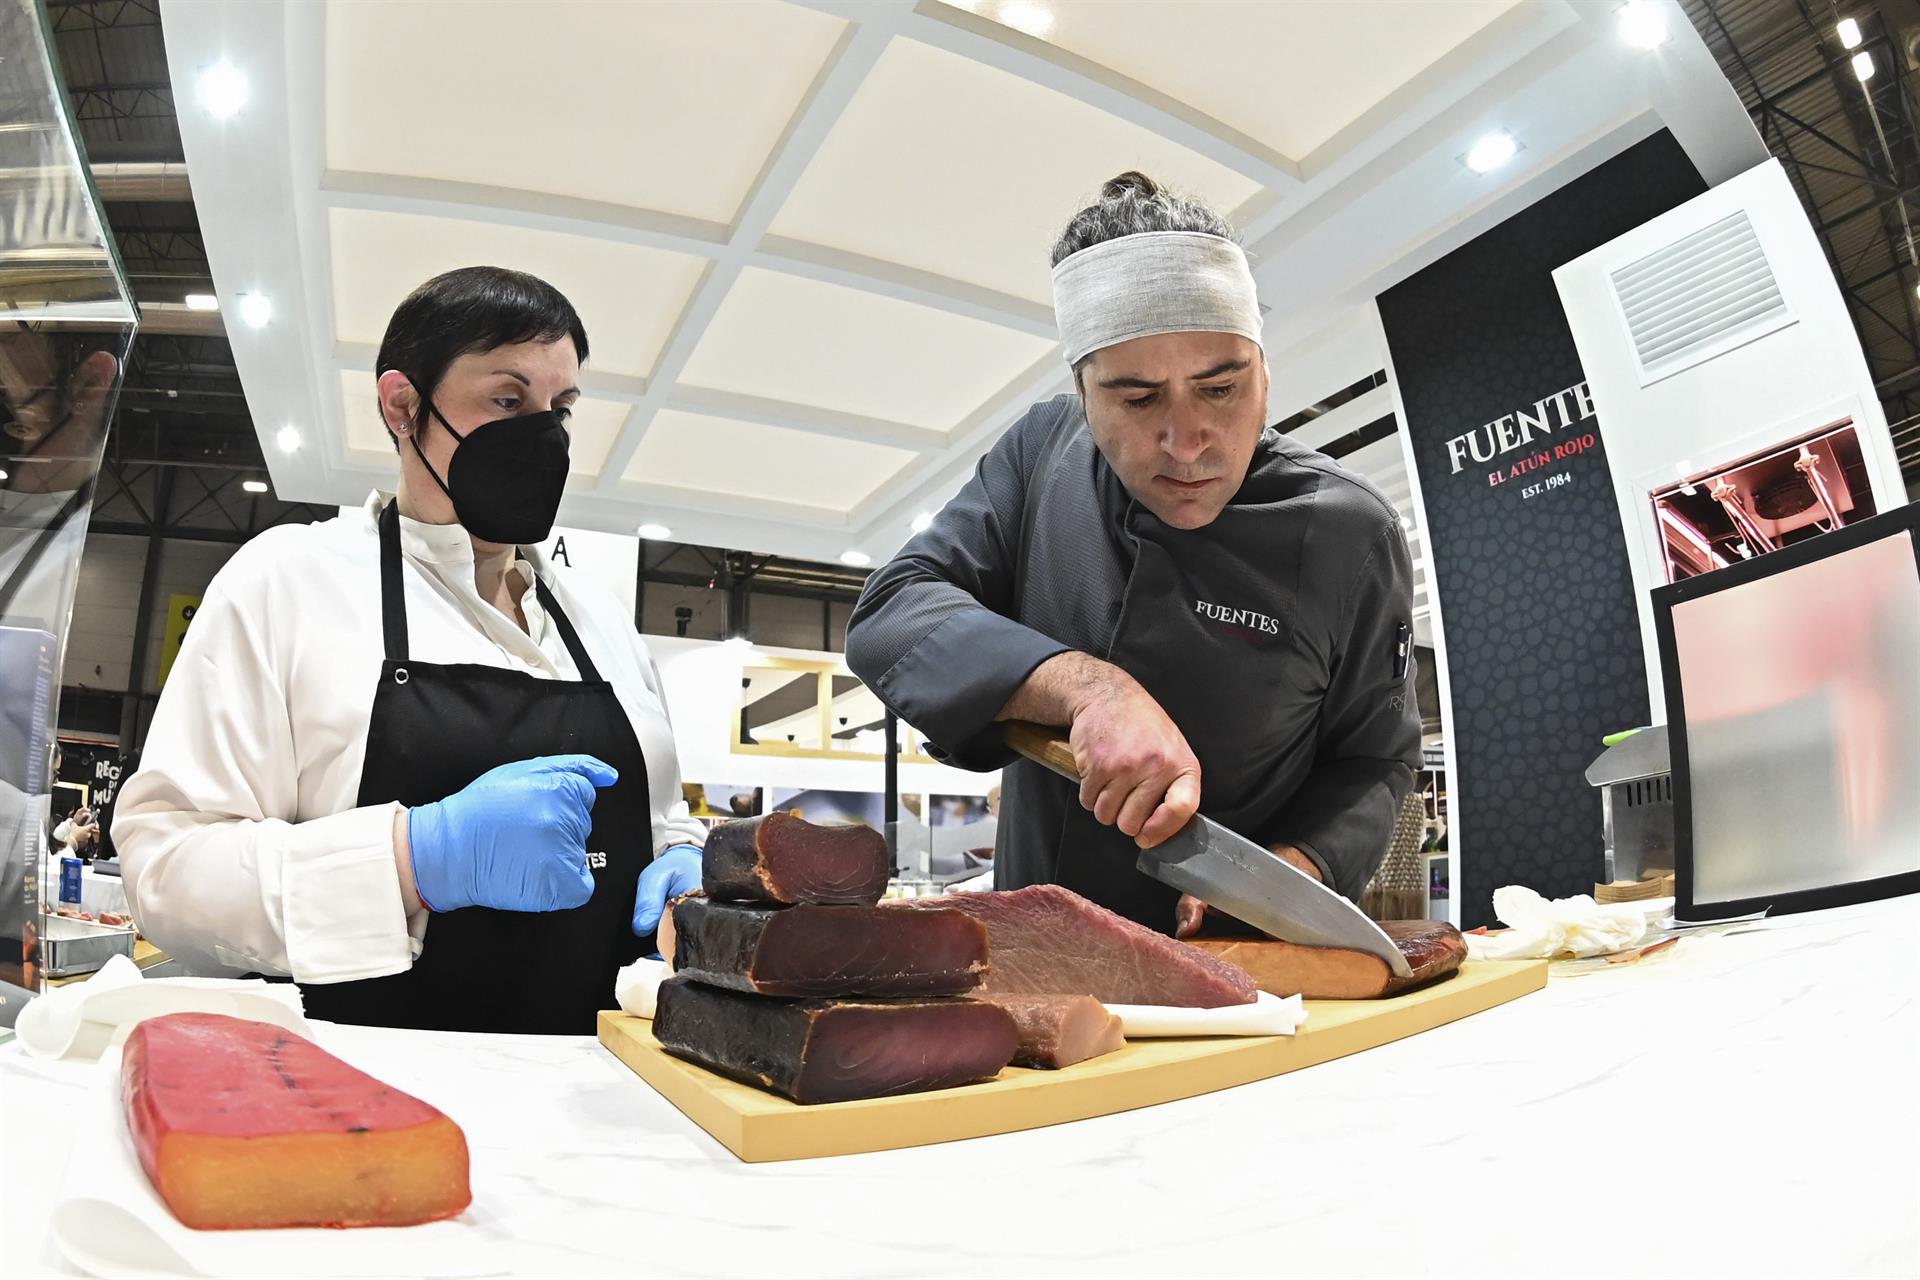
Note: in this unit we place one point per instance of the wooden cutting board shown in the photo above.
(758, 1126)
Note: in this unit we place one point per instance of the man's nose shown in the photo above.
(1185, 437)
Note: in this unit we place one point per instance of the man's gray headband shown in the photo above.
(1155, 282)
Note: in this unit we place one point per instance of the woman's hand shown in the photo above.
(514, 839)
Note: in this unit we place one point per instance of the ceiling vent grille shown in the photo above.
(1699, 297)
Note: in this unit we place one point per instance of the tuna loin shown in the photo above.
(828, 951)
(1045, 940)
(1433, 948)
(834, 1050)
(1058, 1031)
(781, 859)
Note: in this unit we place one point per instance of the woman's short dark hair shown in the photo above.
(1133, 204)
(473, 309)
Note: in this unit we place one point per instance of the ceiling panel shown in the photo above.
(670, 105)
(628, 296)
(746, 459)
(594, 426)
(1287, 75)
(783, 337)
(946, 165)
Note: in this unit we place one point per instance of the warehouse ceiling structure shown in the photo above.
(810, 239)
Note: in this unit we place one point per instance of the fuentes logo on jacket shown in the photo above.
(1246, 619)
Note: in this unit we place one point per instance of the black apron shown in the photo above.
(434, 729)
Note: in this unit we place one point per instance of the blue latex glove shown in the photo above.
(673, 873)
(514, 839)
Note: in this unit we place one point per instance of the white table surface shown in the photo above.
(1746, 1106)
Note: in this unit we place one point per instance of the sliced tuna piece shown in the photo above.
(1433, 949)
(1059, 1031)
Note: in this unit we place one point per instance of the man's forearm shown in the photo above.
(1056, 690)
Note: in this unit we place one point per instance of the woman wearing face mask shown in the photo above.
(397, 760)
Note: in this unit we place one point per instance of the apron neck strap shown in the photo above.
(393, 596)
(393, 601)
(581, 662)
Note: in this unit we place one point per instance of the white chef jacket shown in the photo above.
(241, 843)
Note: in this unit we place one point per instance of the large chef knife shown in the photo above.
(1233, 873)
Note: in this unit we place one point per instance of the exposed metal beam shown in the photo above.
(152, 181)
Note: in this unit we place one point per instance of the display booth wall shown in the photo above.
(1525, 547)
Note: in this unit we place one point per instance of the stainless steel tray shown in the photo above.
(69, 946)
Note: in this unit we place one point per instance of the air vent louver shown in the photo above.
(1698, 297)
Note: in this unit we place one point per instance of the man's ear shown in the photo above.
(399, 402)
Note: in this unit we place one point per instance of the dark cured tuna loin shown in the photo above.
(1045, 940)
(780, 859)
(828, 951)
(834, 1050)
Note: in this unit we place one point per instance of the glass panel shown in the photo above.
(857, 720)
(780, 707)
(1786, 495)
(1800, 755)
(66, 319)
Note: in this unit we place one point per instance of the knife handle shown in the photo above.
(1043, 746)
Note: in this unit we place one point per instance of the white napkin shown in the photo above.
(1539, 929)
(1268, 1015)
(637, 987)
(110, 1222)
(83, 1019)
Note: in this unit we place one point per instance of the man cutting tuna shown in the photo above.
(1219, 617)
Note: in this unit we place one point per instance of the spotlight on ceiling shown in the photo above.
(256, 309)
(1849, 32)
(923, 522)
(655, 532)
(1026, 16)
(858, 559)
(288, 438)
(1863, 66)
(1491, 152)
(254, 486)
(1643, 25)
(223, 90)
(202, 302)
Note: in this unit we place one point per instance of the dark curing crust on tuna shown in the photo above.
(1045, 940)
(825, 952)
(781, 859)
(834, 1050)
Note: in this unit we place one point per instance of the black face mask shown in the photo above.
(506, 477)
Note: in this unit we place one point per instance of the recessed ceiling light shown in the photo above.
(1863, 65)
(254, 486)
(1024, 15)
(1491, 152)
(288, 438)
(1642, 24)
(923, 522)
(223, 90)
(256, 309)
(202, 302)
(655, 532)
(858, 559)
(3, 475)
(1849, 32)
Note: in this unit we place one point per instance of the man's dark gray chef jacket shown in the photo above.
(1277, 639)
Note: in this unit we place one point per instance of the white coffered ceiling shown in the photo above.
(809, 240)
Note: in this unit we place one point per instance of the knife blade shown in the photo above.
(1231, 872)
